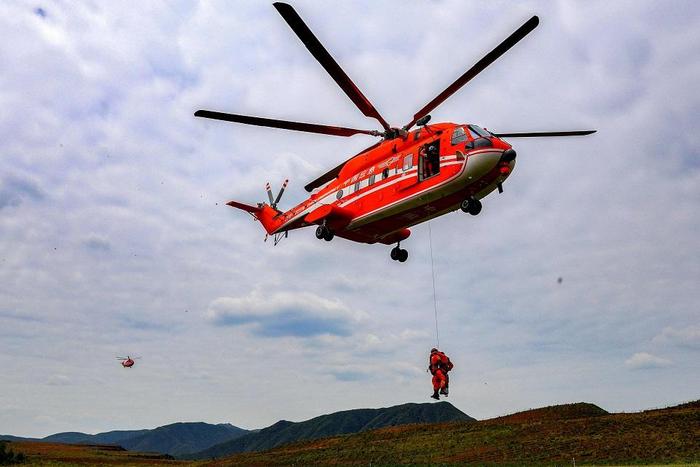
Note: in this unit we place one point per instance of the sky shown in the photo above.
(115, 238)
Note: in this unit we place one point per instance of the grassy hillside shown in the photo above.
(56, 454)
(349, 421)
(659, 436)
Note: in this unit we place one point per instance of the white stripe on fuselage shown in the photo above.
(329, 198)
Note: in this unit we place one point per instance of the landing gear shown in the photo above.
(399, 254)
(471, 205)
(324, 233)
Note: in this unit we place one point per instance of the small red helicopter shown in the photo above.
(127, 362)
(409, 177)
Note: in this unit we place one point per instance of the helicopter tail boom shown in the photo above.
(268, 217)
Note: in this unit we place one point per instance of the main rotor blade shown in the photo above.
(536, 134)
(327, 62)
(297, 126)
(487, 60)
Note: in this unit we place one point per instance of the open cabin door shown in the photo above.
(429, 160)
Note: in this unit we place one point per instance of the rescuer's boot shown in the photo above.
(443, 391)
(435, 395)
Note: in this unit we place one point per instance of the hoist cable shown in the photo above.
(432, 265)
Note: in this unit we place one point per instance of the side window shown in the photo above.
(407, 162)
(339, 194)
(371, 180)
(385, 173)
(458, 136)
(357, 186)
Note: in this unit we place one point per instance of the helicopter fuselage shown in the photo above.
(400, 183)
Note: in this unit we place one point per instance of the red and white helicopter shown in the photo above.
(409, 177)
(127, 362)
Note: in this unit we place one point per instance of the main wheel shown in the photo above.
(464, 205)
(329, 235)
(321, 232)
(395, 253)
(474, 207)
(403, 256)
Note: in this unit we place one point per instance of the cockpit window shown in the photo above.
(459, 135)
(479, 131)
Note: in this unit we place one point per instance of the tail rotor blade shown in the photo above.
(269, 193)
(279, 195)
(538, 134)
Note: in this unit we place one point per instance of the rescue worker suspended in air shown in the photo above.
(439, 366)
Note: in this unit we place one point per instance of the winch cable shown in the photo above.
(432, 265)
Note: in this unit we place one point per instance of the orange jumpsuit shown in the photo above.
(438, 368)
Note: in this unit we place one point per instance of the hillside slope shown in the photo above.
(660, 436)
(349, 421)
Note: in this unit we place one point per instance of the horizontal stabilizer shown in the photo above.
(245, 207)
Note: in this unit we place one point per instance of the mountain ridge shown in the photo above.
(337, 423)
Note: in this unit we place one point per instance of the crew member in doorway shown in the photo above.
(439, 366)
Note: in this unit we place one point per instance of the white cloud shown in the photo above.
(645, 361)
(688, 336)
(283, 314)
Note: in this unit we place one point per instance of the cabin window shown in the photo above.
(479, 131)
(459, 136)
(371, 180)
(407, 162)
(339, 194)
(357, 186)
(385, 173)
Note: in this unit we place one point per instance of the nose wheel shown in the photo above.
(399, 254)
(324, 233)
(471, 205)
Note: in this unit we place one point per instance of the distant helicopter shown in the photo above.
(127, 362)
(407, 178)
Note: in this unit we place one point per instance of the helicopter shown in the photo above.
(409, 177)
(127, 362)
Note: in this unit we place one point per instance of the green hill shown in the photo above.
(664, 436)
(349, 421)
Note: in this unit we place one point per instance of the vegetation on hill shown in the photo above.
(660, 436)
(349, 421)
(7, 456)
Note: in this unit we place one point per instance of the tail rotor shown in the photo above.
(274, 201)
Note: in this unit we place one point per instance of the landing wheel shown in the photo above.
(329, 235)
(403, 256)
(399, 254)
(471, 205)
(395, 253)
(321, 232)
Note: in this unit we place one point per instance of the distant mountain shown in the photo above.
(182, 438)
(175, 439)
(339, 423)
(15, 438)
(109, 437)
